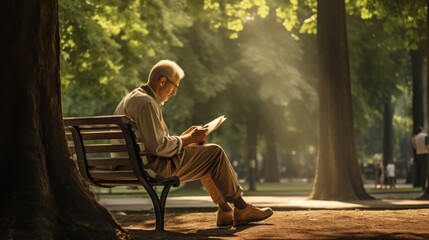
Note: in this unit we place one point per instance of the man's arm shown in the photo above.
(153, 131)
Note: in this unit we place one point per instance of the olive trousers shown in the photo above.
(207, 163)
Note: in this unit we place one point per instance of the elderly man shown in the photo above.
(186, 156)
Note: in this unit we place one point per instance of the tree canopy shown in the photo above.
(237, 53)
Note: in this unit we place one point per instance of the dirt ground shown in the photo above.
(304, 224)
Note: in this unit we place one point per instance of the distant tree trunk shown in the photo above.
(252, 123)
(271, 164)
(418, 106)
(388, 133)
(42, 195)
(337, 172)
(426, 192)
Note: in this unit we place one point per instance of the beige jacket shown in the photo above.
(145, 108)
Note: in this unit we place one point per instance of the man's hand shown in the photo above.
(189, 130)
(195, 134)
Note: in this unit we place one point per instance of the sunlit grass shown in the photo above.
(262, 189)
(396, 190)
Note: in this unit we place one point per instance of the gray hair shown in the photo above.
(165, 68)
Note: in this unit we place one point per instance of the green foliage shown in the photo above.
(281, 80)
(232, 15)
(380, 67)
(402, 19)
(298, 16)
(205, 58)
(107, 47)
(239, 57)
(380, 35)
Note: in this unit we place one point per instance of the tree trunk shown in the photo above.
(251, 149)
(388, 133)
(271, 173)
(426, 192)
(418, 108)
(43, 196)
(337, 172)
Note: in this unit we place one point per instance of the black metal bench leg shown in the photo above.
(163, 199)
(159, 206)
(159, 214)
(160, 218)
(158, 209)
(164, 194)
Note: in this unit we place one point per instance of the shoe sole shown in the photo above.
(224, 226)
(236, 224)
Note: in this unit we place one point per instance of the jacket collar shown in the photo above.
(152, 93)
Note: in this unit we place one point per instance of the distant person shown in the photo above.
(420, 144)
(390, 173)
(379, 175)
(187, 155)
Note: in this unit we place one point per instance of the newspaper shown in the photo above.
(214, 124)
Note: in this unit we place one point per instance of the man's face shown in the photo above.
(169, 88)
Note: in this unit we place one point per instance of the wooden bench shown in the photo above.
(108, 154)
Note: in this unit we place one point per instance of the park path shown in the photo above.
(390, 216)
(294, 224)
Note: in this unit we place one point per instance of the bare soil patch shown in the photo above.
(310, 224)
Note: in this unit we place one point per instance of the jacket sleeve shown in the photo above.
(153, 129)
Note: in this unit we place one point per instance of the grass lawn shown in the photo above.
(263, 189)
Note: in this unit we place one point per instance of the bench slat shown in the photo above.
(113, 183)
(122, 175)
(105, 148)
(109, 119)
(101, 148)
(99, 127)
(98, 135)
(94, 162)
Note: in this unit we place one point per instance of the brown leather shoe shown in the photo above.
(223, 219)
(251, 214)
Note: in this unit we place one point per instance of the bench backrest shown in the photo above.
(106, 150)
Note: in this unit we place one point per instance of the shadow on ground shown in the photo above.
(301, 224)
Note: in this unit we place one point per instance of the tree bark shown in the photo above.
(418, 108)
(388, 133)
(271, 165)
(337, 172)
(43, 196)
(426, 192)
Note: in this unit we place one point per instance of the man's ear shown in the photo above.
(162, 81)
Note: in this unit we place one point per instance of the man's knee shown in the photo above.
(217, 152)
(216, 149)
